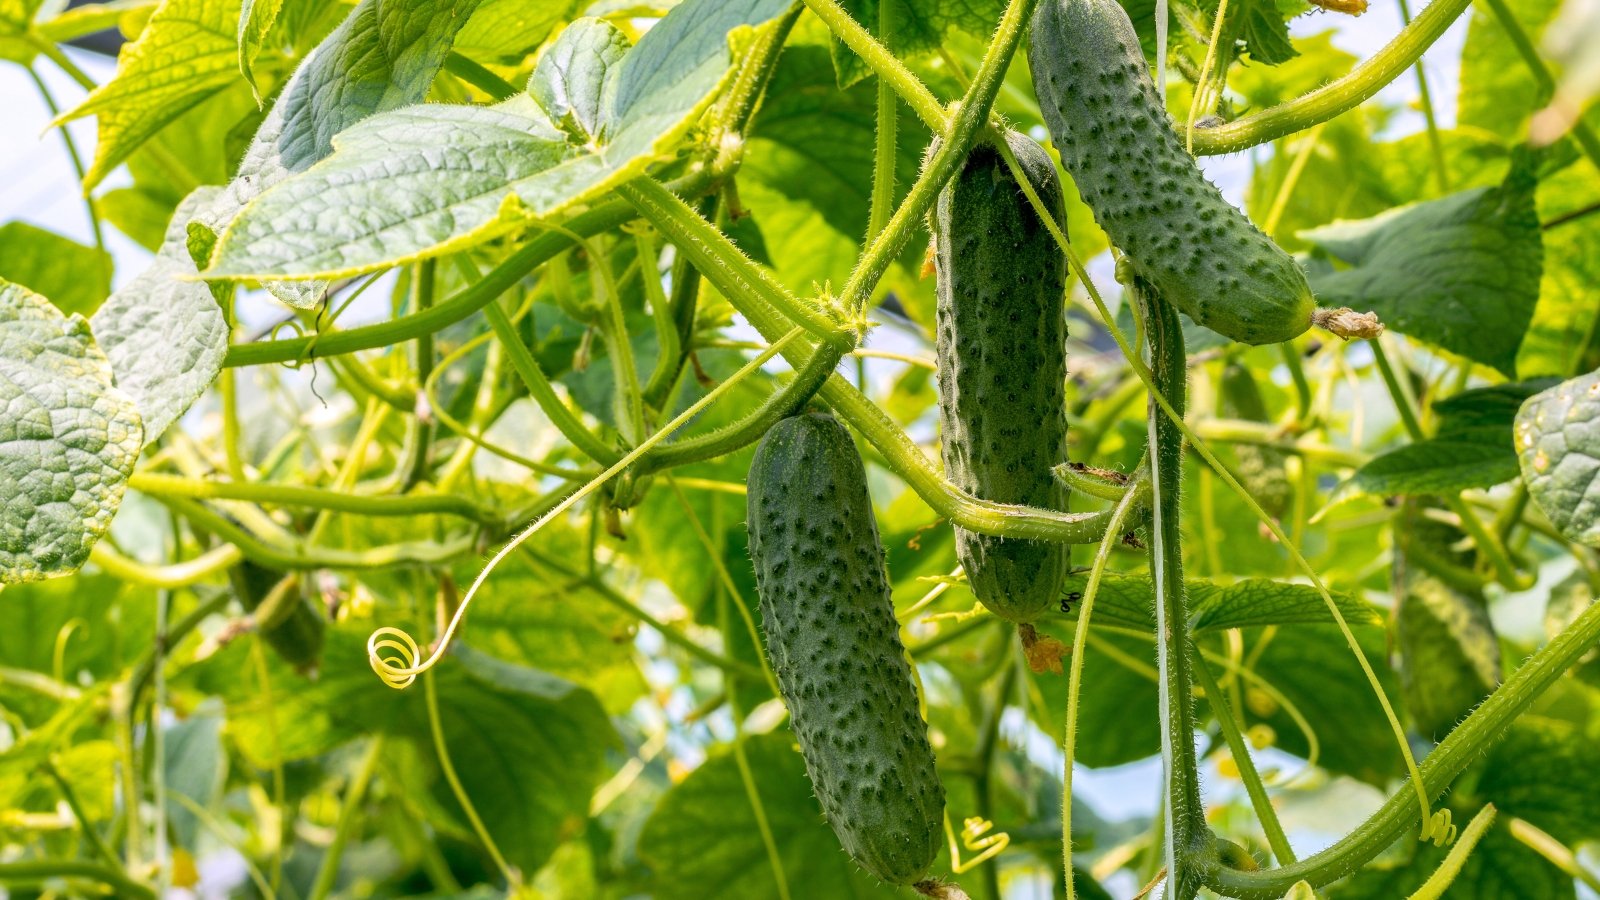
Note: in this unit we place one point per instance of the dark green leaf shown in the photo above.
(74, 277)
(703, 843)
(1461, 273)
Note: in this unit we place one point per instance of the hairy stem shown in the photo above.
(1339, 96)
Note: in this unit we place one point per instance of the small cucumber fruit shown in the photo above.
(835, 646)
(1131, 168)
(287, 621)
(1002, 364)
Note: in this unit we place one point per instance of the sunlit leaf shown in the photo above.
(68, 440)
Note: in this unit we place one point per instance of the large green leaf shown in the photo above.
(383, 56)
(186, 53)
(1558, 446)
(166, 375)
(1125, 601)
(1461, 272)
(74, 277)
(1560, 341)
(429, 179)
(507, 29)
(703, 841)
(68, 439)
(529, 747)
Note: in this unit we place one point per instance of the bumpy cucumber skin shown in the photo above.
(835, 646)
(1002, 366)
(1131, 168)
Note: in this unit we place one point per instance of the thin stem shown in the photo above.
(1559, 854)
(1442, 877)
(478, 76)
(104, 258)
(1338, 96)
(412, 466)
(1484, 725)
(1239, 749)
(172, 575)
(970, 117)
(879, 58)
(627, 403)
(1585, 136)
(381, 556)
(883, 148)
(157, 485)
(543, 393)
(1069, 741)
(669, 347)
(1435, 142)
(465, 302)
(36, 872)
(62, 61)
(1188, 837)
(91, 834)
(436, 728)
(349, 816)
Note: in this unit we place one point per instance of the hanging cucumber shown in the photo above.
(835, 647)
(1115, 139)
(1002, 364)
(286, 620)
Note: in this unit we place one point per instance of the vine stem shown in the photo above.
(159, 485)
(1338, 96)
(349, 815)
(879, 58)
(668, 213)
(1484, 725)
(971, 115)
(1080, 639)
(1435, 142)
(1239, 749)
(1188, 839)
(883, 148)
(33, 872)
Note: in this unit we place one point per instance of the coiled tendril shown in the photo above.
(1439, 829)
(976, 838)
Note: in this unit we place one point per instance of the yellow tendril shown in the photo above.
(976, 838)
(393, 653)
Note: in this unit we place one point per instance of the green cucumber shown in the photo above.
(1002, 364)
(286, 620)
(1262, 470)
(835, 647)
(1115, 139)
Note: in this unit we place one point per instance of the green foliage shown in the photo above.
(582, 208)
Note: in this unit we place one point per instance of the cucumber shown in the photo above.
(290, 625)
(835, 647)
(1002, 365)
(1131, 168)
(1262, 470)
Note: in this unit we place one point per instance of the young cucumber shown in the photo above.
(1002, 366)
(1116, 141)
(835, 646)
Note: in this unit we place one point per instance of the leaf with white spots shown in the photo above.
(68, 439)
(1558, 446)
